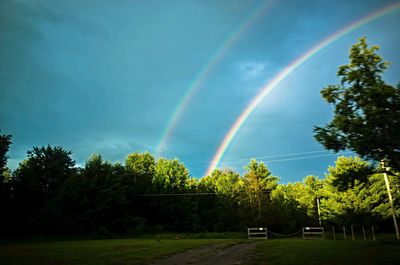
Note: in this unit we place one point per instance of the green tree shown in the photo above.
(379, 197)
(5, 187)
(174, 212)
(5, 142)
(170, 176)
(309, 195)
(367, 110)
(348, 170)
(44, 171)
(140, 172)
(221, 181)
(140, 169)
(37, 182)
(288, 214)
(105, 207)
(259, 185)
(348, 202)
(220, 212)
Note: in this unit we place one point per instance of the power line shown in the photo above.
(175, 194)
(274, 156)
(190, 194)
(230, 161)
(302, 157)
(305, 157)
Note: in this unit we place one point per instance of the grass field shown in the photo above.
(111, 251)
(300, 251)
(142, 251)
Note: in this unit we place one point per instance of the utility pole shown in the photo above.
(385, 169)
(319, 213)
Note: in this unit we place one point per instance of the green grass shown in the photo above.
(300, 251)
(142, 251)
(111, 251)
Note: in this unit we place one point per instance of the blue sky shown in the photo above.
(106, 76)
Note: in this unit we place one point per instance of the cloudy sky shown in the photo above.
(172, 77)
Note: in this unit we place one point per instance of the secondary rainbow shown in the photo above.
(286, 72)
(207, 69)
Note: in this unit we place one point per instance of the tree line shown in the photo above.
(49, 195)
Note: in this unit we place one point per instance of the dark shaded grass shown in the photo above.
(142, 251)
(300, 251)
(112, 251)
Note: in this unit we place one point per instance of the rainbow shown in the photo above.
(203, 74)
(285, 73)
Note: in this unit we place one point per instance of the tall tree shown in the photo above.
(37, 182)
(289, 213)
(140, 169)
(170, 176)
(367, 110)
(5, 142)
(345, 201)
(309, 197)
(46, 168)
(260, 184)
(5, 188)
(220, 212)
(347, 171)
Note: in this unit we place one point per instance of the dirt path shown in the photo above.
(213, 255)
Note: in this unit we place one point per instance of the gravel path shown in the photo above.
(213, 255)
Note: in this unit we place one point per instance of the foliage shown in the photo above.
(170, 176)
(347, 171)
(5, 187)
(367, 113)
(94, 201)
(36, 184)
(258, 186)
(5, 142)
(48, 195)
(308, 194)
(140, 169)
(222, 211)
(44, 171)
(362, 201)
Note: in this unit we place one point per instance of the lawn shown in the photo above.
(300, 251)
(142, 251)
(111, 251)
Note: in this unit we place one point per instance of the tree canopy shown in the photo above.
(5, 141)
(366, 109)
(49, 195)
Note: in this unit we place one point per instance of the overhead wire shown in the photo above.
(274, 156)
(175, 194)
(188, 194)
(233, 161)
(297, 158)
